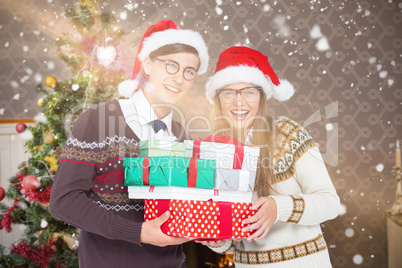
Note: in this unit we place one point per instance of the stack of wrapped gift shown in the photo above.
(206, 185)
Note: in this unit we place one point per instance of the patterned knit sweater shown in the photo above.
(305, 197)
(89, 193)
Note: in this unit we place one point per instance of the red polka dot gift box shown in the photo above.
(204, 220)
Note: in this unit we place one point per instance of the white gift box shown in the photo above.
(183, 193)
(224, 154)
(234, 180)
(228, 175)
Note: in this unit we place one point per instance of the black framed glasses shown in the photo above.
(173, 67)
(249, 94)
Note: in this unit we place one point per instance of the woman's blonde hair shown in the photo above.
(263, 136)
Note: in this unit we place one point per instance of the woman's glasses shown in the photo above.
(249, 94)
(173, 67)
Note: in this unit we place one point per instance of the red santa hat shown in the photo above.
(243, 64)
(156, 36)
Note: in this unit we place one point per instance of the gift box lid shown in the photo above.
(168, 162)
(162, 145)
(223, 154)
(181, 193)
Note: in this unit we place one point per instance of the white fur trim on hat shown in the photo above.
(238, 74)
(247, 74)
(127, 87)
(174, 36)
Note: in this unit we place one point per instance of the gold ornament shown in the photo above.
(39, 102)
(52, 162)
(48, 138)
(50, 81)
(72, 241)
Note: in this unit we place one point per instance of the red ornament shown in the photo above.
(2, 193)
(20, 127)
(30, 183)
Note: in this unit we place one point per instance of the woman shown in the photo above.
(293, 192)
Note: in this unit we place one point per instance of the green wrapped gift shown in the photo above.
(162, 148)
(169, 171)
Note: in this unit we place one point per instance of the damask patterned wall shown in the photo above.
(343, 57)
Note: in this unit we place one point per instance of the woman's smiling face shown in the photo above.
(240, 111)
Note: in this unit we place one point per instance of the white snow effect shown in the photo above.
(266, 8)
(379, 167)
(7, 44)
(51, 65)
(218, 10)
(379, 67)
(357, 259)
(2, 111)
(362, 148)
(322, 44)
(390, 82)
(315, 32)
(14, 84)
(16, 96)
(329, 127)
(75, 87)
(383, 74)
(129, 6)
(283, 28)
(38, 78)
(342, 210)
(123, 15)
(219, 2)
(226, 27)
(349, 232)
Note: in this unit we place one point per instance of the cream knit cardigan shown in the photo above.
(305, 198)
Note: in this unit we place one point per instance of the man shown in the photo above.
(88, 191)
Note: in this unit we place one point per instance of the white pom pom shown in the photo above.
(284, 91)
(127, 88)
(26, 135)
(43, 224)
(41, 118)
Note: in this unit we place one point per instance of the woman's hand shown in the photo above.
(262, 220)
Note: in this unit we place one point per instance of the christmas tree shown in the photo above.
(93, 49)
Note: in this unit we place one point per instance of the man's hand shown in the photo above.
(151, 233)
(262, 220)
